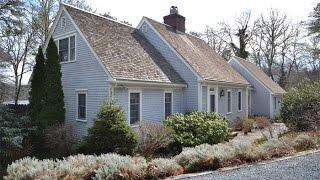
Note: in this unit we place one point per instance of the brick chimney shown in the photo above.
(175, 19)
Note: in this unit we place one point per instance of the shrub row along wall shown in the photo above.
(199, 158)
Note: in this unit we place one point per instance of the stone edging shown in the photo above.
(190, 175)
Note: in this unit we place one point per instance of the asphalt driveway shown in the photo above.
(305, 167)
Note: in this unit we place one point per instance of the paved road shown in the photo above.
(303, 167)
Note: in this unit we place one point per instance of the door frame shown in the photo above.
(216, 95)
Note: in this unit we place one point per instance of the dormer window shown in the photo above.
(67, 49)
(63, 22)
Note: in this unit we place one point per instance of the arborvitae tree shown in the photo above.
(53, 111)
(37, 86)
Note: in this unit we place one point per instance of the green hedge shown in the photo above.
(196, 128)
(301, 107)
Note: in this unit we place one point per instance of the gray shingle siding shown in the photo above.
(84, 73)
(191, 92)
(260, 95)
(152, 107)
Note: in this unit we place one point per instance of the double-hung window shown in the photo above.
(82, 106)
(135, 108)
(239, 100)
(67, 49)
(167, 104)
(229, 97)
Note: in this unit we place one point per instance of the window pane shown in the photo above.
(168, 104)
(63, 49)
(81, 106)
(134, 108)
(229, 101)
(72, 48)
(212, 103)
(239, 101)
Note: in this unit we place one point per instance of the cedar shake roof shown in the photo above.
(261, 76)
(126, 54)
(202, 58)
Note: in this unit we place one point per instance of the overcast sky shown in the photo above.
(200, 13)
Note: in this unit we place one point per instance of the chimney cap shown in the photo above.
(174, 10)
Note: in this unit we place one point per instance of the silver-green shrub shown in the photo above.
(161, 167)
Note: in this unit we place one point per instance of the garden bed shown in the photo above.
(200, 158)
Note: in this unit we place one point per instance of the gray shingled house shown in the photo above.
(152, 71)
(265, 94)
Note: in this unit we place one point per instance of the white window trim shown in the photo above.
(230, 112)
(239, 110)
(140, 106)
(216, 93)
(81, 91)
(68, 35)
(164, 103)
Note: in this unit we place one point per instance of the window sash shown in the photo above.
(168, 104)
(134, 108)
(229, 101)
(239, 100)
(67, 49)
(82, 106)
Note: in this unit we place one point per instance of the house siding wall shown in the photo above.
(152, 107)
(260, 95)
(84, 73)
(191, 94)
(222, 102)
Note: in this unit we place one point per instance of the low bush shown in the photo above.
(276, 148)
(153, 136)
(197, 128)
(262, 122)
(304, 142)
(160, 168)
(110, 133)
(301, 107)
(238, 124)
(60, 140)
(247, 125)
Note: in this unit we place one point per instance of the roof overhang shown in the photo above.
(224, 83)
(120, 82)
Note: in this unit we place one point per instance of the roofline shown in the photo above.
(226, 83)
(144, 19)
(96, 14)
(264, 85)
(149, 83)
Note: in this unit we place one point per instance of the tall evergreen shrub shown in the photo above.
(53, 111)
(36, 94)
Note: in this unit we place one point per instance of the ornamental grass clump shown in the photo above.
(161, 167)
(121, 167)
(31, 168)
(303, 142)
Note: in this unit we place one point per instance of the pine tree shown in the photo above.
(36, 93)
(314, 24)
(53, 111)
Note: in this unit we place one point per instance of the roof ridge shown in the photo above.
(96, 14)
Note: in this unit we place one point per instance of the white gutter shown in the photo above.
(147, 83)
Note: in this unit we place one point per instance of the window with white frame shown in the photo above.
(135, 108)
(67, 49)
(144, 28)
(82, 106)
(229, 97)
(167, 104)
(275, 102)
(239, 100)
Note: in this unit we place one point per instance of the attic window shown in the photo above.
(144, 28)
(63, 22)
